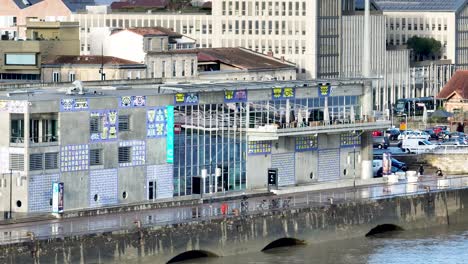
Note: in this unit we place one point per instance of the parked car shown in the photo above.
(453, 142)
(381, 142)
(396, 163)
(420, 135)
(377, 133)
(416, 145)
(438, 129)
(456, 135)
(393, 133)
(432, 134)
(444, 134)
(405, 134)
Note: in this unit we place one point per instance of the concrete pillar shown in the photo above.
(366, 137)
(27, 141)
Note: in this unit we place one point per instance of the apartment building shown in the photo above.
(445, 21)
(21, 60)
(306, 33)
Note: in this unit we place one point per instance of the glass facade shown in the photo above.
(301, 112)
(210, 136)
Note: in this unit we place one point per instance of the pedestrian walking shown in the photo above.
(421, 170)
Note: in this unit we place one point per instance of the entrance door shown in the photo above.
(152, 190)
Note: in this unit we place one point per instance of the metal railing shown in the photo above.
(219, 210)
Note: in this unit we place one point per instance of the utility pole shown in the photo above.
(11, 193)
(101, 70)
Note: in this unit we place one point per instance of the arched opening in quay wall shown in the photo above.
(284, 242)
(380, 229)
(192, 254)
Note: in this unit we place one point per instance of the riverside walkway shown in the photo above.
(211, 208)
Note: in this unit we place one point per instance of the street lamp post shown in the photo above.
(11, 194)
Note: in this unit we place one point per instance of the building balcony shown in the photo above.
(48, 140)
(274, 131)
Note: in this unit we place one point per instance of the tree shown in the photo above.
(179, 4)
(424, 47)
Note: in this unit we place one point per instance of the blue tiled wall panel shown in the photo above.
(104, 183)
(163, 175)
(74, 158)
(138, 152)
(40, 192)
(285, 163)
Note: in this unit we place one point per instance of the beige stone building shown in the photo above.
(21, 60)
(90, 68)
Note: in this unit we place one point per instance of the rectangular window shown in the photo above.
(51, 160)
(124, 123)
(183, 68)
(125, 154)
(71, 76)
(163, 70)
(95, 157)
(56, 77)
(95, 124)
(16, 162)
(174, 73)
(20, 59)
(192, 68)
(36, 162)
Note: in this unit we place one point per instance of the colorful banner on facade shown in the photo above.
(186, 99)
(108, 125)
(57, 197)
(170, 135)
(324, 90)
(74, 104)
(386, 163)
(236, 96)
(259, 147)
(283, 93)
(156, 122)
(132, 101)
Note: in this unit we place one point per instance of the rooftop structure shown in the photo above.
(456, 92)
(420, 5)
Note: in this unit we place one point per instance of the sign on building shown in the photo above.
(170, 135)
(272, 176)
(283, 93)
(186, 99)
(57, 197)
(324, 90)
(235, 96)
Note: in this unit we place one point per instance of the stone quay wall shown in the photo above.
(247, 233)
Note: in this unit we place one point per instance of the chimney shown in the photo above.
(270, 53)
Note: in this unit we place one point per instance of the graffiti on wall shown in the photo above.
(137, 154)
(156, 122)
(132, 101)
(105, 124)
(74, 104)
(74, 158)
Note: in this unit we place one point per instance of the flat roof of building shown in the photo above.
(420, 5)
(89, 60)
(242, 58)
(45, 93)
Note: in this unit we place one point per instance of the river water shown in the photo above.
(436, 245)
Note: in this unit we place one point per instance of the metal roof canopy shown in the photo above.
(420, 5)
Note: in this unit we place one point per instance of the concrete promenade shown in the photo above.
(40, 235)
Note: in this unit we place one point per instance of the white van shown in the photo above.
(416, 145)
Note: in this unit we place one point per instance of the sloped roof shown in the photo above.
(151, 31)
(90, 59)
(72, 5)
(241, 58)
(140, 4)
(458, 84)
(76, 5)
(420, 5)
(26, 3)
